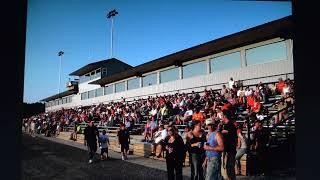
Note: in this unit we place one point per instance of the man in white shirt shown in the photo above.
(231, 83)
(241, 92)
(248, 92)
(160, 135)
(188, 113)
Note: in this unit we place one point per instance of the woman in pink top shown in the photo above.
(147, 131)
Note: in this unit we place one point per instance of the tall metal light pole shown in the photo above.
(110, 15)
(60, 53)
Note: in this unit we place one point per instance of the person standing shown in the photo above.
(229, 134)
(124, 140)
(213, 147)
(261, 142)
(91, 134)
(175, 152)
(32, 128)
(195, 140)
(241, 148)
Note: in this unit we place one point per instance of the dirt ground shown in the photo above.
(43, 159)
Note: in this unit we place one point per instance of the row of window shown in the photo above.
(56, 102)
(98, 73)
(97, 92)
(258, 55)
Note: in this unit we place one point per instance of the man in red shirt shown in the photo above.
(256, 105)
(280, 85)
(250, 100)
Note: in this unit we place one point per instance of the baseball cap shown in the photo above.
(209, 121)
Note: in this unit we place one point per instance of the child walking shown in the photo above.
(104, 143)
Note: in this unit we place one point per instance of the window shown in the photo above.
(85, 78)
(84, 95)
(81, 79)
(194, 69)
(70, 99)
(225, 62)
(169, 75)
(267, 53)
(64, 100)
(60, 101)
(133, 83)
(104, 71)
(92, 94)
(108, 90)
(92, 75)
(120, 87)
(149, 80)
(98, 73)
(99, 92)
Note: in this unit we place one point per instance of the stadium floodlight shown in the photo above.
(60, 53)
(110, 15)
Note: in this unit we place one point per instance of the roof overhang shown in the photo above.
(278, 28)
(63, 94)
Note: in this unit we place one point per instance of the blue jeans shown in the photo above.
(196, 166)
(213, 171)
(240, 153)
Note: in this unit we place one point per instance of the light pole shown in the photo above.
(60, 53)
(110, 15)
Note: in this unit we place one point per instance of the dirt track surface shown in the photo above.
(46, 159)
(43, 159)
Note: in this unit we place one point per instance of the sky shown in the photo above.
(144, 30)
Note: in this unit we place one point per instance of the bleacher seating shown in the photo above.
(279, 132)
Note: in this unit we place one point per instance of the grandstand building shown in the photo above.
(259, 54)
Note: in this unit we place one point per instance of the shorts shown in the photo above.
(104, 150)
(124, 147)
(159, 143)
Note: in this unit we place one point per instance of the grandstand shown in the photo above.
(256, 57)
(259, 54)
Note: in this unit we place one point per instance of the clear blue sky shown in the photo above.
(144, 30)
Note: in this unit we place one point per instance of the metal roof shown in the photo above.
(92, 66)
(63, 94)
(278, 28)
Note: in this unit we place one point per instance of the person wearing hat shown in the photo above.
(91, 134)
(214, 148)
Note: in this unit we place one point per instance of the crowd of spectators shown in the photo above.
(192, 110)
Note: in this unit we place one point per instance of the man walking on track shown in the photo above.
(91, 134)
(124, 140)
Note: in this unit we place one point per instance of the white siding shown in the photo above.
(268, 72)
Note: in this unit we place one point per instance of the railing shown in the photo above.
(205, 87)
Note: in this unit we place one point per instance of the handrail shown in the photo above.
(210, 85)
(205, 86)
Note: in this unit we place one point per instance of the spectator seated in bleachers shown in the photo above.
(159, 138)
